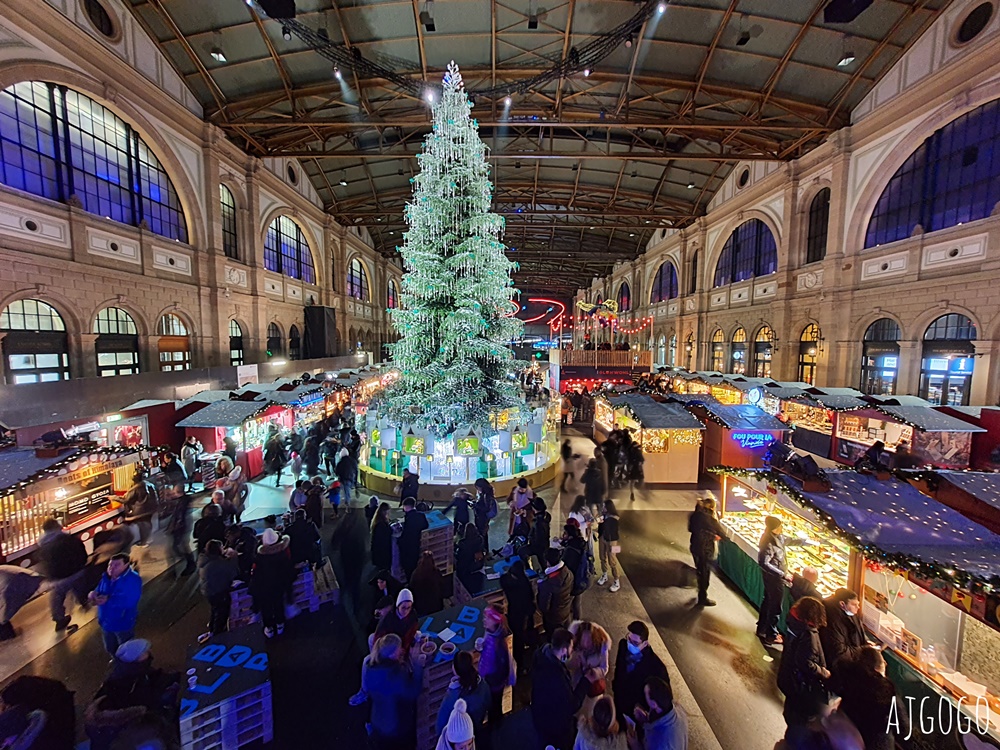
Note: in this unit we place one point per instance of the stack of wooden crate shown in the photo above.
(439, 539)
(306, 595)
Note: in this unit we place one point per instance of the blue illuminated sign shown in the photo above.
(754, 395)
(753, 439)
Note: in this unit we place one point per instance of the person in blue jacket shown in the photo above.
(117, 599)
(393, 686)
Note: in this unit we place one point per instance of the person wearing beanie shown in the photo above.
(401, 621)
(273, 575)
(459, 733)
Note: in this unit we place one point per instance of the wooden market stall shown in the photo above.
(246, 422)
(985, 445)
(813, 416)
(79, 486)
(925, 574)
(670, 436)
(735, 435)
(307, 402)
(974, 494)
(931, 437)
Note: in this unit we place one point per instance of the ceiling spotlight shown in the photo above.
(218, 55)
(845, 60)
(532, 14)
(507, 101)
(743, 39)
(427, 16)
(631, 234)
(661, 8)
(336, 73)
(429, 96)
(628, 42)
(286, 33)
(343, 180)
(586, 72)
(691, 185)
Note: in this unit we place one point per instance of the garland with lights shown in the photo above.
(899, 561)
(455, 365)
(56, 469)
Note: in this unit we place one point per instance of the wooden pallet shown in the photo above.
(304, 595)
(232, 723)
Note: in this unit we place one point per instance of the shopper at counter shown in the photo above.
(774, 569)
(868, 698)
(843, 636)
(803, 674)
(804, 584)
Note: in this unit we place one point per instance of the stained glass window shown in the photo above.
(56, 143)
(750, 251)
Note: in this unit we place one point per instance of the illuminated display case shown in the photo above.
(743, 512)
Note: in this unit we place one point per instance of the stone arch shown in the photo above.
(140, 318)
(922, 321)
(185, 318)
(647, 289)
(858, 331)
(70, 316)
(707, 271)
(18, 71)
(358, 256)
(314, 245)
(883, 171)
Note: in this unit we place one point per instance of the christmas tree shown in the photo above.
(456, 319)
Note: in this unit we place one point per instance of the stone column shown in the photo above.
(84, 345)
(908, 374)
(983, 389)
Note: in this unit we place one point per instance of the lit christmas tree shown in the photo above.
(455, 319)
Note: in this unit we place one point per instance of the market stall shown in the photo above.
(307, 402)
(985, 445)
(669, 435)
(78, 486)
(926, 575)
(246, 422)
(735, 435)
(813, 415)
(974, 494)
(931, 437)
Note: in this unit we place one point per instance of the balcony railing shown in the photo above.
(639, 358)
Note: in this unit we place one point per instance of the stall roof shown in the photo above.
(656, 415)
(837, 402)
(928, 420)
(292, 396)
(20, 464)
(205, 397)
(898, 519)
(146, 403)
(982, 485)
(835, 391)
(745, 417)
(784, 391)
(898, 400)
(972, 411)
(224, 414)
(692, 398)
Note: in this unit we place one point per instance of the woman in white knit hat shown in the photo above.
(459, 733)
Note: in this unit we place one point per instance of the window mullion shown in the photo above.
(57, 146)
(67, 143)
(134, 184)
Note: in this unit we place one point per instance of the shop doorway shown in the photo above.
(947, 360)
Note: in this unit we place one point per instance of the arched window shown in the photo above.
(718, 350)
(57, 143)
(672, 350)
(227, 210)
(664, 284)
(35, 347)
(819, 225)
(762, 346)
(117, 344)
(750, 251)
(880, 358)
(949, 180)
(661, 351)
(738, 352)
(947, 360)
(357, 281)
(235, 344)
(174, 344)
(693, 281)
(624, 298)
(275, 341)
(391, 296)
(286, 251)
(809, 353)
(294, 343)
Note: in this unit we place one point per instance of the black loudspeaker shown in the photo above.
(321, 332)
(278, 8)
(805, 466)
(844, 11)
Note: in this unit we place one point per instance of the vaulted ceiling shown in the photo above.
(623, 117)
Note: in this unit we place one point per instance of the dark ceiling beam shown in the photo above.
(529, 155)
(353, 126)
(692, 99)
(567, 35)
(779, 69)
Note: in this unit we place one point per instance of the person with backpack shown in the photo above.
(485, 508)
(580, 561)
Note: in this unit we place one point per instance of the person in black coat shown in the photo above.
(635, 663)
(594, 486)
(842, 636)
(802, 674)
(381, 538)
(244, 541)
(804, 584)
(209, 526)
(62, 559)
(460, 502)
(414, 523)
(410, 486)
(554, 701)
(303, 540)
(385, 585)
(469, 556)
(868, 698)
(310, 456)
(774, 569)
(539, 539)
(520, 609)
(273, 576)
(578, 558)
(705, 530)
